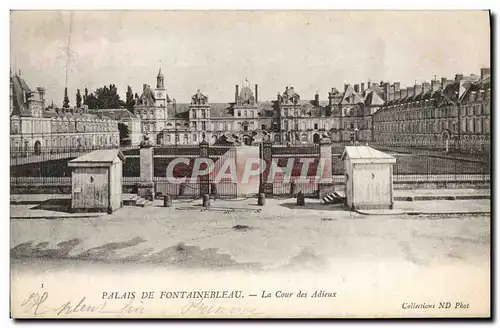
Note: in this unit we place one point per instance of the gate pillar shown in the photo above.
(204, 179)
(266, 155)
(325, 182)
(146, 186)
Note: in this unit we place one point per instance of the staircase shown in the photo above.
(333, 198)
(135, 200)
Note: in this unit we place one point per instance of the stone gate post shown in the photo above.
(204, 179)
(266, 155)
(146, 186)
(325, 183)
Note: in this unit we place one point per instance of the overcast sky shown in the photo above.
(214, 50)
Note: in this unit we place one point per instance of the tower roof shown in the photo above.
(160, 74)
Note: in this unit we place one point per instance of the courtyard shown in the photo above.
(238, 234)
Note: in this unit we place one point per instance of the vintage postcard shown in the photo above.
(250, 164)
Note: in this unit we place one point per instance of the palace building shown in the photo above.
(35, 128)
(345, 116)
(457, 111)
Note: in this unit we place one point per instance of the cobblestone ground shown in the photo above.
(276, 237)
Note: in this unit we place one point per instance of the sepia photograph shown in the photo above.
(250, 164)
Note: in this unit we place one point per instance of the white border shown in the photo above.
(182, 4)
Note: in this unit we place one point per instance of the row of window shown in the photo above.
(69, 142)
(470, 110)
(468, 125)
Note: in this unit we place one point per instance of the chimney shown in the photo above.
(386, 91)
(369, 85)
(397, 86)
(236, 93)
(362, 87)
(316, 99)
(410, 91)
(445, 82)
(144, 86)
(458, 77)
(356, 87)
(484, 72)
(418, 89)
(426, 87)
(256, 93)
(434, 85)
(397, 94)
(345, 87)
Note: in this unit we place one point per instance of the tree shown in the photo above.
(130, 101)
(85, 95)
(78, 99)
(105, 97)
(66, 99)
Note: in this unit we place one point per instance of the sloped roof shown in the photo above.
(373, 99)
(290, 92)
(100, 156)
(117, 114)
(364, 152)
(351, 97)
(19, 88)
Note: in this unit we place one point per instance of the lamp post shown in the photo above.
(174, 103)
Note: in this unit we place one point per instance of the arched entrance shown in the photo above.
(316, 138)
(38, 147)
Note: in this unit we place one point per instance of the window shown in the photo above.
(315, 126)
(186, 138)
(169, 139)
(194, 113)
(203, 126)
(352, 126)
(239, 113)
(177, 138)
(245, 113)
(263, 126)
(195, 137)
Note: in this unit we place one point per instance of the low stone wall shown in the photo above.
(441, 185)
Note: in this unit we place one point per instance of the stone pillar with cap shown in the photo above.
(146, 186)
(204, 179)
(325, 182)
(266, 187)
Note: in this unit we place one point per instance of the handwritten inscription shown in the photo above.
(36, 305)
(201, 307)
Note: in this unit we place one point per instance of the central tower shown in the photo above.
(160, 91)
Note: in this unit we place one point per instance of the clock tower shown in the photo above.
(160, 91)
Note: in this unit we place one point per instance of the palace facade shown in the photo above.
(35, 128)
(457, 111)
(345, 116)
